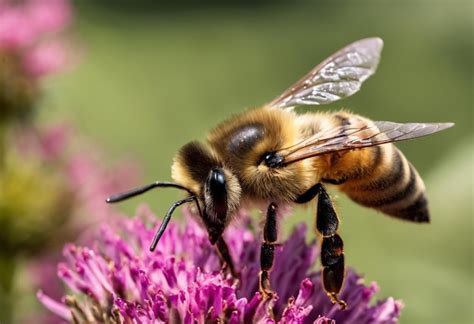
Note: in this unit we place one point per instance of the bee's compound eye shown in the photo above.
(216, 193)
(273, 160)
(216, 180)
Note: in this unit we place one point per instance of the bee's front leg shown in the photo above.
(225, 257)
(215, 230)
(267, 251)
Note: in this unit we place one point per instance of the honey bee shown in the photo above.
(272, 156)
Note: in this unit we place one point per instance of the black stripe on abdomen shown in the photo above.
(415, 212)
(399, 192)
(389, 179)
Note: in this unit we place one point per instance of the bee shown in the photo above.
(272, 156)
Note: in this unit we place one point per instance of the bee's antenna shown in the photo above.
(138, 191)
(167, 219)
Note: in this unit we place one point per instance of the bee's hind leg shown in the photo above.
(267, 251)
(332, 248)
(332, 255)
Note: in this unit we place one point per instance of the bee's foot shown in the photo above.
(267, 293)
(226, 269)
(335, 300)
(264, 285)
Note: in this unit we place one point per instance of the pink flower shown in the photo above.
(89, 174)
(44, 59)
(31, 46)
(27, 29)
(117, 279)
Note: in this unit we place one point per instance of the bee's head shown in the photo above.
(197, 170)
(197, 167)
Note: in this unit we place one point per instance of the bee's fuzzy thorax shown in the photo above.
(268, 129)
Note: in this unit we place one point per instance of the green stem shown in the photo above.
(7, 276)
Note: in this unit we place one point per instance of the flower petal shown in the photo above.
(57, 308)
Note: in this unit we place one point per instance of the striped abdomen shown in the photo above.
(382, 178)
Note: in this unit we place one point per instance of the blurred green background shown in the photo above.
(154, 76)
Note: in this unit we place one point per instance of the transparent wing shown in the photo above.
(339, 76)
(353, 137)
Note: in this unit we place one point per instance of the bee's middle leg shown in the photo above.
(267, 251)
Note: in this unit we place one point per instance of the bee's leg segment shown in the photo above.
(326, 217)
(226, 259)
(309, 194)
(215, 230)
(332, 255)
(267, 251)
(332, 259)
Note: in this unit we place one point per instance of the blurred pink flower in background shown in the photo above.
(33, 44)
(53, 188)
(90, 176)
(30, 28)
(44, 59)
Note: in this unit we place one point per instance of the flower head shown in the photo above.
(29, 48)
(119, 280)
